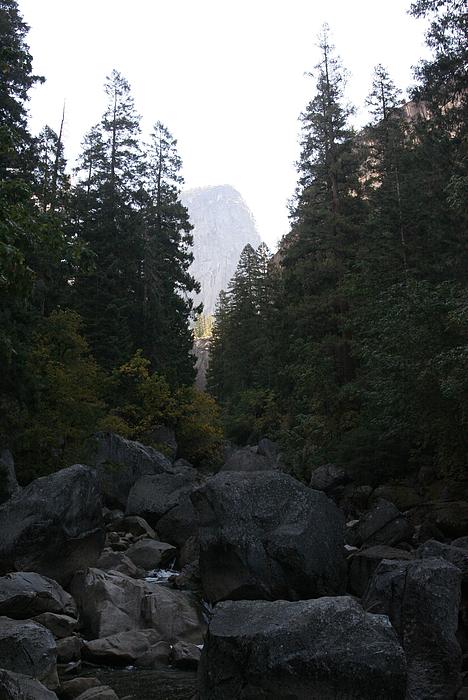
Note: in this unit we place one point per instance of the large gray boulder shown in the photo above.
(8, 482)
(180, 523)
(111, 603)
(15, 686)
(266, 535)
(28, 648)
(26, 594)
(308, 650)
(53, 526)
(141, 647)
(383, 524)
(458, 556)
(421, 598)
(119, 463)
(362, 564)
(328, 477)
(150, 554)
(61, 626)
(153, 496)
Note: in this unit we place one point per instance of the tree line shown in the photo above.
(351, 343)
(95, 289)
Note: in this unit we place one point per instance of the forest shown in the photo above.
(348, 345)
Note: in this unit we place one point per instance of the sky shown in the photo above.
(227, 77)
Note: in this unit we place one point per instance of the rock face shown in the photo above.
(153, 496)
(14, 686)
(119, 463)
(309, 650)
(164, 500)
(265, 535)
(143, 647)
(383, 524)
(28, 648)
(223, 225)
(148, 554)
(362, 564)
(327, 478)
(111, 603)
(53, 526)
(421, 598)
(24, 595)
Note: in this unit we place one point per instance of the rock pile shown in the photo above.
(302, 604)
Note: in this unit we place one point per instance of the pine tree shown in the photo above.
(319, 253)
(166, 284)
(106, 220)
(384, 251)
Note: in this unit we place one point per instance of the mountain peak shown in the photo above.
(223, 225)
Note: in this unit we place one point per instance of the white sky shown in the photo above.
(227, 77)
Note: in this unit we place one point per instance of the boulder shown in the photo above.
(61, 626)
(119, 463)
(175, 615)
(451, 518)
(140, 647)
(180, 523)
(15, 686)
(458, 556)
(153, 496)
(53, 526)
(185, 656)
(383, 524)
(110, 603)
(328, 477)
(421, 598)
(69, 649)
(150, 554)
(8, 483)
(362, 564)
(266, 535)
(118, 561)
(308, 650)
(28, 648)
(25, 594)
(248, 459)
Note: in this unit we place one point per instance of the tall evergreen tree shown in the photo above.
(106, 203)
(166, 284)
(318, 254)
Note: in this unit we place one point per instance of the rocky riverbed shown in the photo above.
(136, 577)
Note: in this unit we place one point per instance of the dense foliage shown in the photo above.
(351, 344)
(95, 293)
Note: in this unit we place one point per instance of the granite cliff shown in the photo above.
(223, 225)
